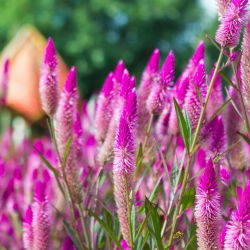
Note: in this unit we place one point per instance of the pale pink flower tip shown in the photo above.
(228, 34)
(70, 84)
(50, 54)
(125, 84)
(154, 62)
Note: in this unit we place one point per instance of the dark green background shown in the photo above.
(94, 35)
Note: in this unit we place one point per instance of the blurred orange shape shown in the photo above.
(26, 52)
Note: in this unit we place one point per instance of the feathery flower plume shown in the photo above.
(245, 65)
(196, 95)
(182, 85)
(66, 113)
(65, 119)
(238, 227)
(104, 109)
(49, 90)
(117, 80)
(214, 135)
(158, 97)
(4, 83)
(163, 121)
(148, 78)
(28, 230)
(228, 33)
(41, 218)
(207, 210)
(130, 111)
(222, 7)
(123, 170)
(106, 151)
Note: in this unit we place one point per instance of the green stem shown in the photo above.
(241, 98)
(84, 226)
(193, 148)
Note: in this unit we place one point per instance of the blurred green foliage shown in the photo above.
(94, 34)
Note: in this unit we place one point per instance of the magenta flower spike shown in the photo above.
(118, 74)
(163, 122)
(216, 98)
(207, 210)
(245, 65)
(41, 222)
(147, 81)
(130, 112)
(66, 113)
(196, 95)
(238, 227)
(27, 229)
(222, 7)
(4, 83)
(159, 95)
(48, 86)
(123, 170)
(104, 109)
(228, 33)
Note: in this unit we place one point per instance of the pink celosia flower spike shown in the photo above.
(245, 65)
(196, 95)
(148, 78)
(4, 83)
(78, 136)
(123, 171)
(28, 230)
(207, 210)
(118, 74)
(228, 34)
(222, 7)
(159, 94)
(49, 90)
(41, 222)
(238, 227)
(65, 119)
(66, 113)
(104, 109)
(181, 87)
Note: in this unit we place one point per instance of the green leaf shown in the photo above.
(155, 225)
(66, 151)
(133, 220)
(182, 125)
(175, 173)
(106, 228)
(153, 195)
(70, 232)
(188, 198)
(246, 138)
(54, 171)
(188, 126)
(227, 79)
(192, 239)
(219, 110)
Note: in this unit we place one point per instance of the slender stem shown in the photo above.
(148, 132)
(241, 98)
(84, 226)
(193, 147)
(129, 212)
